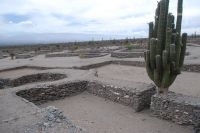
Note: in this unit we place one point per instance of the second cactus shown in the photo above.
(166, 48)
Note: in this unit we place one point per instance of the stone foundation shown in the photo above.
(92, 55)
(53, 92)
(4, 83)
(24, 56)
(127, 54)
(60, 55)
(134, 97)
(137, 97)
(178, 108)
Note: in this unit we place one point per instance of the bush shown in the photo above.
(130, 46)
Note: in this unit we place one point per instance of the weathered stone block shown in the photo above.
(138, 98)
(179, 108)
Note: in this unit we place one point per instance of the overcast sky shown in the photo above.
(121, 17)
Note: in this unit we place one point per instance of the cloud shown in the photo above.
(121, 17)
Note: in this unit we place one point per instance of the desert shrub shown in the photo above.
(130, 46)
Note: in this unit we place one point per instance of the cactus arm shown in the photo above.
(157, 71)
(147, 64)
(183, 49)
(150, 33)
(157, 14)
(172, 52)
(162, 26)
(168, 32)
(178, 51)
(171, 80)
(178, 31)
(165, 58)
(179, 16)
(153, 43)
(166, 77)
(151, 29)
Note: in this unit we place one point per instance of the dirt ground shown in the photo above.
(98, 115)
(186, 83)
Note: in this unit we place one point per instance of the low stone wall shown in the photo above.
(24, 56)
(178, 108)
(52, 92)
(61, 55)
(192, 68)
(118, 62)
(127, 54)
(87, 67)
(133, 50)
(129, 63)
(4, 83)
(92, 55)
(39, 77)
(136, 98)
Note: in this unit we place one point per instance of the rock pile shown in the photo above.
(54, 121)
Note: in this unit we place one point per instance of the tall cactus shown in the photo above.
(166, 48)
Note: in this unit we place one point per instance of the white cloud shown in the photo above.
(89, 16)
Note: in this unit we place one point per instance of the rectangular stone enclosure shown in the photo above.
(181, 109)
(138, 97)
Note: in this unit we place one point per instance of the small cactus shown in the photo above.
(166, 48)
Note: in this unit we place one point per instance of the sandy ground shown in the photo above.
(186, 83)
(194, 55)
(97, 115)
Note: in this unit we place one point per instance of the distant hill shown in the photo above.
(45, 38)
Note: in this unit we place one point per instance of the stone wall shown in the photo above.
(136, 98)
(87, 67)
(4, 83)
(127, 54)
(118, 62)
(92, 55)
(24, 56)
(53, 92)
(178, 108)
(61, 55)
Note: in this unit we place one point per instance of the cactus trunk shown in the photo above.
(162, 90)
(166, 48)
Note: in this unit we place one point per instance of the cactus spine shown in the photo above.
(166, 48)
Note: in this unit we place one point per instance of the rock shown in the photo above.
(1, 85)
(181, 109)
(53, 121)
